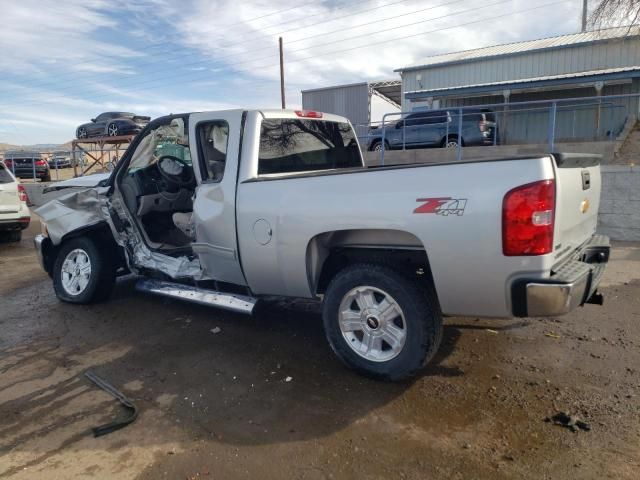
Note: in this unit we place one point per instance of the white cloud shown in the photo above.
(161, 56)
(311, 61)
(36, 33)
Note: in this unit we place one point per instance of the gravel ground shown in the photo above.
(218, 405)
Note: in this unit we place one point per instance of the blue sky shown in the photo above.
(62, 63)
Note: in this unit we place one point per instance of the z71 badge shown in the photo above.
(442, 206)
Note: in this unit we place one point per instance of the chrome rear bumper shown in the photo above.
(570, 285)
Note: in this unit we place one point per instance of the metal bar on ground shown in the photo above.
(126, 403)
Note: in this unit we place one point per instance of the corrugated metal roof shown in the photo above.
(562, 41)
(533, 80)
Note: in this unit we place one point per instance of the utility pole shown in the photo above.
(281, 73)
(585, 8)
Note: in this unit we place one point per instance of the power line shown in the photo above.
(218, 62)
(75, 74)
(431, 31)
(488, 19)
(243, 22)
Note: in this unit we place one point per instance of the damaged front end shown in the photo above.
(85, 210)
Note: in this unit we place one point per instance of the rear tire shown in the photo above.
(83, 271)
(381, 323)
(451, 142)
(113, 130)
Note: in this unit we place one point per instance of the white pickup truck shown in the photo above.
(224, 208)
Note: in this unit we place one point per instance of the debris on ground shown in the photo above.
(288, 379)
(569, 421)
(126, 403)
(495, 332)
(551, 335)
(215, 330)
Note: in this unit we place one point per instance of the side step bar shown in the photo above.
(227, 301)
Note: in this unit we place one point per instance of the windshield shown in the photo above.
(165, 140)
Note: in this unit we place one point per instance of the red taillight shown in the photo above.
(308, 114)
(528, 215)
(40, 163)
(22, 194)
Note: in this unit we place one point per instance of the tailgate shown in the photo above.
(9, 200)
(577, 200)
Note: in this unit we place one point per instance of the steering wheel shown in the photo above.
(175, 170)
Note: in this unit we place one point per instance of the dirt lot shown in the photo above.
(218, 405)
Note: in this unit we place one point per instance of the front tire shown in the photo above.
(451, 142)
(83, 272)
(377, 146)
(380, 322)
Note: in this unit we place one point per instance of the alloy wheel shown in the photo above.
(372, 323)
(76, 272)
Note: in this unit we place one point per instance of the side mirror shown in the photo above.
(93, 120)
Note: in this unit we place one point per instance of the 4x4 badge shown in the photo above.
(442, 206)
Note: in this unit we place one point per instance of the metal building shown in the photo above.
(362, 103)
(588, 64)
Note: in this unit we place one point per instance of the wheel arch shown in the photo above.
(376, 141)
(330, 252)
(444, 138)
(99, 232)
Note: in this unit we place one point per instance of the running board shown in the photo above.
(227, 301)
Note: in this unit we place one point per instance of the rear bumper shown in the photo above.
(571, 284)
(28, 172)
(15, 224)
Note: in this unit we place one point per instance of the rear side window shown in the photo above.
(5, 176)
(292, 145)
(430, 118)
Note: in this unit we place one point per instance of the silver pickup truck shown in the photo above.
(225, 208)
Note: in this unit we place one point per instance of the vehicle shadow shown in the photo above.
(266, 379)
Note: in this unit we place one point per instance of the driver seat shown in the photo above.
(184, 222)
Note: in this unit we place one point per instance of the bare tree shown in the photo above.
(613, 13)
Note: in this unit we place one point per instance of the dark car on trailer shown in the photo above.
(112, 124)
(438, 128)
(60, 160)
(25, 164)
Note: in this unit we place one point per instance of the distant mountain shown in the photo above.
(38, 147)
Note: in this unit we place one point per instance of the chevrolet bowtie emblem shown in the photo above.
(584, 206)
